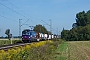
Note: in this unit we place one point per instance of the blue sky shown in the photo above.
(61, 12)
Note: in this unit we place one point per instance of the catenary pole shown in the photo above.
(19, 28)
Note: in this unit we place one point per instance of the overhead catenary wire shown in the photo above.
(25, 22)
(14, 6)
(13, 10)
(21, 11)
(18, 12)
(7, 18)
(45, 23)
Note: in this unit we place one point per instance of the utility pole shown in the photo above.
(57, 33)
(51, 27)
(32, 27)
(0, 30)
(20, 25)
(19, 28)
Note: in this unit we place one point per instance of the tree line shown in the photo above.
(80, 30)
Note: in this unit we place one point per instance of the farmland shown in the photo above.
(74, 50)
(50, 50)
(79, 50)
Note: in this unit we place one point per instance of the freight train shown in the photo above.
(30, 35)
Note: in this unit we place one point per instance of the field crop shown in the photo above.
(73, 50)
(79, 50)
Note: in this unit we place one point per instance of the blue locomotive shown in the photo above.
(30, 35)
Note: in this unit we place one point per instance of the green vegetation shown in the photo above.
(61, 53)
(49, 50)
(35, 51)
(80, 30)
(6, 42)
(62, 47)
(45, 52)
(40, 28)
(74, 50)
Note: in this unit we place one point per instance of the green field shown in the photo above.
(6, 42)
(73, 50)
(56, 50)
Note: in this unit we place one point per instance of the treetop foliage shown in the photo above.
(82, 18)
(40, 28)
(80, 30)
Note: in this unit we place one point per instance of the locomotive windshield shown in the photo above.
(26, 32)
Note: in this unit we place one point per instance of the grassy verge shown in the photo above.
(44, 52)
(49, 50)
(61, 52)
(35, 51)
(6, 42)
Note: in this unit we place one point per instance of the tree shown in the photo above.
(74, 25)
(40, 28)
(65, 34)
(82, 18)
(49, 32)
(80, 30)
(88, 17)
(7, 32)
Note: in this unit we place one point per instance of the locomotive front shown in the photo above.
(28, 35)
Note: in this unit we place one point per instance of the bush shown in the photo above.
(35, 51)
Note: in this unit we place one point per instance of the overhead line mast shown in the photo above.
(20, 28)
(50, 26)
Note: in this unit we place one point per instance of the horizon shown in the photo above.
(61, 12)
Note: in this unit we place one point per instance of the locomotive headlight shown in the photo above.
(29, 37)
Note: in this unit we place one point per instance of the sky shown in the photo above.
(61, 13)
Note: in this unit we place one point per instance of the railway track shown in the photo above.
(6, 47)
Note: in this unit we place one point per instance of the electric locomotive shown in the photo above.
(30, 35)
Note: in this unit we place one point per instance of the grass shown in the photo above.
(6, 42)
(62, 47)
(35, 51)
(56, 50)
(61, 53)
(72, 50)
